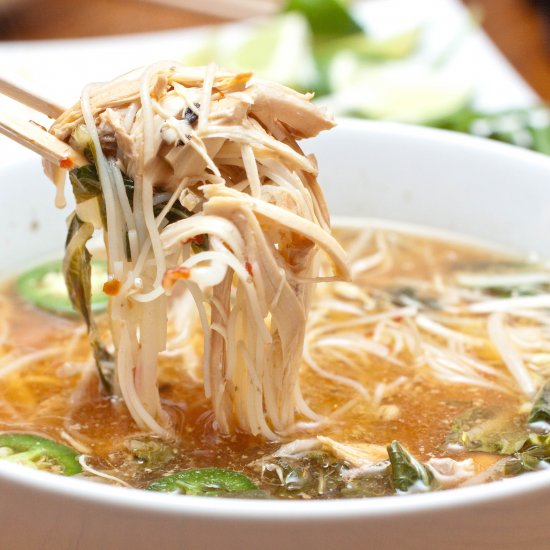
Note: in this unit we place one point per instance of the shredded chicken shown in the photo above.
(451, 473)
(224, 147)
(359, 456)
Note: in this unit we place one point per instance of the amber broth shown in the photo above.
(53, 398)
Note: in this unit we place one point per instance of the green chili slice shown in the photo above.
(44, 287)
(39, 453)
(204, 482)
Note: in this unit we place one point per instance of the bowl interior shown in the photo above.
(470, 186)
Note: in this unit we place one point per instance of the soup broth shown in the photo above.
(436, 345)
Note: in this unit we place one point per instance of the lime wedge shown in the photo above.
(396, 46)
(278, 49)
(402, 92)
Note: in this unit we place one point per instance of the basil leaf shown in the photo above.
(85, 183)
(484, 430)
(316, 475)
(535, 450)
(151, 451)
(541, 409)
(78, 278)
(176, 213)
(86, 186)
(407, 471)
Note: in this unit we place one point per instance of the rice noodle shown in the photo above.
(509, 354)
(256, 207)
(432, 326)
(90, 470)
(540, 301)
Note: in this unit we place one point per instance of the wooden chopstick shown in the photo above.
(29, 98)
(31, 135)
(37, 139)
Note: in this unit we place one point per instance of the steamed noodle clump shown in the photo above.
(202, 182)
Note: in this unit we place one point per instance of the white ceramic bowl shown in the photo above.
(448, 181)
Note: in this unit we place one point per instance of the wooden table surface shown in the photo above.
(514, 25)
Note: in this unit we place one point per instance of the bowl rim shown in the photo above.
(88, 492)
(389, 128)
(451, 137)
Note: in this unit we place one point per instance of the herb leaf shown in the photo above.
(77, 266)
(527, 127)
(316, 475)
(407, 471)
(78, 278)
(86, 186)
(541, 409)
(410, 296)
(151, 451)
(85, 182)
(480, 429)
(535, 451)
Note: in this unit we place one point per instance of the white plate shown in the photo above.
(59, 68)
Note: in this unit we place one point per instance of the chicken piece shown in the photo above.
(275, 104)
